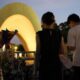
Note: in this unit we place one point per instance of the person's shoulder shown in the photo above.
(58, 31)
(77, 26)
(72, 30)
(39, 32)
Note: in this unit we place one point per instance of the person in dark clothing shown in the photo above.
(48, 49)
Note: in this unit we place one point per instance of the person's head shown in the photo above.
(73, 20)
(47, 20)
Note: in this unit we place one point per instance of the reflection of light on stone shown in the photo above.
(15, 55)
(4, 47)
(29, 62)
(20, 55)
(15, 48)
(30, 55)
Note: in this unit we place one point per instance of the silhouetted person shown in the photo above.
(48, 42)
(74, 43)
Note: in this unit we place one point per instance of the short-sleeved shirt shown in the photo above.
(74, 41)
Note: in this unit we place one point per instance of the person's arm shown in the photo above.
(61, 50)
(63, 57)
(37, 55)
(71, 48)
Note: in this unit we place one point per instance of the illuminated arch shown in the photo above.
(17, 15)
(19, 8)
(26, 32)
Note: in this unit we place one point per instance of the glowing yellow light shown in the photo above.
(26, 32)
(3, 48)
(25, 22)
(29, 62)
(30, 55)
(15, 48)
(15, 55)
(20, 55)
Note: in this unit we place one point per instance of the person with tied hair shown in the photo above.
(48, 49)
